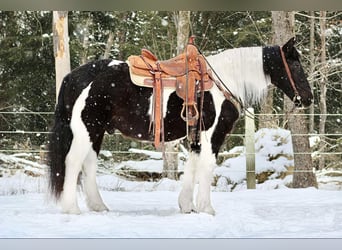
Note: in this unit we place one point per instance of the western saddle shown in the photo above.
(187, 73)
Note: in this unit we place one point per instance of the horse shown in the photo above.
(100, 97)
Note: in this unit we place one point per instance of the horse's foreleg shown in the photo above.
(205, 176)
(93, 197)
(185, 199)
(206, 164)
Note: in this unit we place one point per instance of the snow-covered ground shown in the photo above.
(281, 213)
(145, 209)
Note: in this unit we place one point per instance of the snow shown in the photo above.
(149, 209)
(164, 23)
(274, 152)
(283, 213)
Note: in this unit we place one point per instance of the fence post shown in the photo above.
(250, 148)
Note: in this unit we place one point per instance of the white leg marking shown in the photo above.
(206, 164)
(79, 149)
(206, 161)
(199, 169)
(185, 199)
(93, 197)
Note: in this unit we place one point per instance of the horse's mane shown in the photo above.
(241, 70)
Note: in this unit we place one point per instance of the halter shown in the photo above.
(296, 98)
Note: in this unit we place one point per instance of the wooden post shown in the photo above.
(250, 148)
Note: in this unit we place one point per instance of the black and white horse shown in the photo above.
(99, 97)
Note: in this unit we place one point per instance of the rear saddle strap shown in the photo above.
(158, 110)
(187, 73)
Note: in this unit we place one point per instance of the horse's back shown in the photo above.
(79, 78)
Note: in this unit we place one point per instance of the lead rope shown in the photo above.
(186, 92)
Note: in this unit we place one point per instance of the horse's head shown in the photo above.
(287, 73)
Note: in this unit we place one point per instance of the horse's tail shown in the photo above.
(60, 142)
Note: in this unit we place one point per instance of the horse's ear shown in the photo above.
(288, 47)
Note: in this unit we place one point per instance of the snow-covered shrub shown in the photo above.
(273, 159)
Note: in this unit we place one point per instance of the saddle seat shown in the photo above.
(187, 73)
(175, 66)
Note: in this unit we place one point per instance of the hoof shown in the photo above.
(207, 209)
(185, 203)
(75, 210)
(189, 211)
(98, 208)
(187, 208)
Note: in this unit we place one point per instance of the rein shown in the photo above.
(296, 98)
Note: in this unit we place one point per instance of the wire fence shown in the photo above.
(21, 141)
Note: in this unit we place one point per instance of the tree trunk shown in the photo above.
(170, 167)
(85, 41)
(323, 90)
(170, 160)
(295, 120)
(312, 69)
(109, 45)
(267, 119)
(183, 30)
(120, 35)
(61, 46)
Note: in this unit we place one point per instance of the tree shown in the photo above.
(312, 69)
(182, 21)
(267, 119)
(323, 89)
(308, 24)
(61, 46)
(295, 120)
(170, 165)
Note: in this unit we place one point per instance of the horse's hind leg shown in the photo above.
(79, 149)
(93, 197)
(73, 164)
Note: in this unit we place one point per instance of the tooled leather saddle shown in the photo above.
(187, 73)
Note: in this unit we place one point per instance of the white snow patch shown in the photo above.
(314, 140)
(106, 153)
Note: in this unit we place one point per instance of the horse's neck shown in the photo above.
(241, 70)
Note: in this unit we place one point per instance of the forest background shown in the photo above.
(27, 63)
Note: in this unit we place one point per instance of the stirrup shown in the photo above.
(191, 118)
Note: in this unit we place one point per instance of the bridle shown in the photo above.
(238, 104)
(297, 98)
